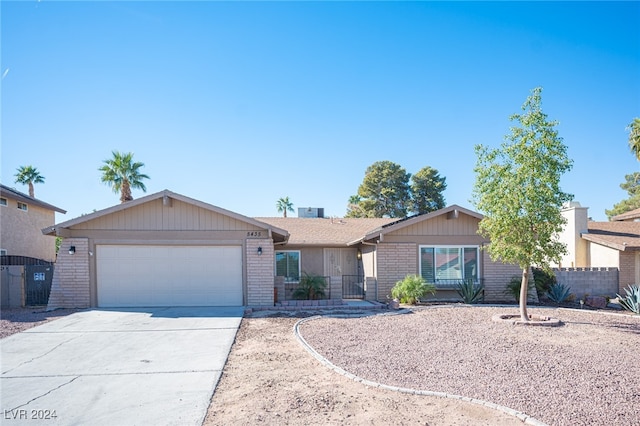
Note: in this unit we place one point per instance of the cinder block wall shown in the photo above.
(395, 261)
(591, 281)
(70, 283)
(260, 272)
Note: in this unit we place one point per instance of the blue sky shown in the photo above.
(240, 103)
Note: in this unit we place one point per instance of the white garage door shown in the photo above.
(136, 275)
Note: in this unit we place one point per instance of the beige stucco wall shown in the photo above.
(577, 223)
(21, 231)
(602, 256)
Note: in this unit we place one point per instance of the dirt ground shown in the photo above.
(271, 379)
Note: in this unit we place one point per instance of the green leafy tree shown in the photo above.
(283, 205)
(353, 207)
(122, 174)
(427, 187)
(384, 191)
(634, 137)
(28, 175)
(517, 188)
(632, 186)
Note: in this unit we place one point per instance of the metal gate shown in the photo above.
(37, 284)
(352, 287)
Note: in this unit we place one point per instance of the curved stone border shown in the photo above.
(296, 331)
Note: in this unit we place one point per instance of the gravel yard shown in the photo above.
(586, 372)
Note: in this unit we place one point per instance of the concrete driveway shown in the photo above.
(154, 366)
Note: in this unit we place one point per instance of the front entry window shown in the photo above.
(288, 265)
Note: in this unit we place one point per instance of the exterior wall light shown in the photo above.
(72, 250)
(359, 254)
(259, 251)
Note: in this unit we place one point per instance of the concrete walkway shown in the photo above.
(123, 367)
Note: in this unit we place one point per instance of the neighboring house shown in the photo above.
(166, 249)
(593, 244)
(631, 216)
(21, 221)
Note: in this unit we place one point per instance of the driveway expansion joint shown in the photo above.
(525, 418)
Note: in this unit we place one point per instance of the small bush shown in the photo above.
(469, 292)
(559, 293)
(631, 302)
(513, 288)
(311, 287)
(411, 289)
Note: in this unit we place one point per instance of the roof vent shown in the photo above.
(310, 212)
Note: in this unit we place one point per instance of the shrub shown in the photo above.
(631, 302)
(311, 287)
(543, 280)
(411, 289)
(470, 292)
(559, 293)
(513, 288)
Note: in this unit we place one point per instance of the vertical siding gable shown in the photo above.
(154, 216)
(440, 225)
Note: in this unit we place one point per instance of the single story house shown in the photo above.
(593, 244)
(21, 221)
(167, 249)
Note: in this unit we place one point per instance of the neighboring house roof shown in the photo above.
(280, 233)
(378, 233)
(617, 235)
(628, 216)
(5, 191)
(325, 231)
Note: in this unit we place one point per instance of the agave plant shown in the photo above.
(631, 302)
(470, 292)
(559, 293)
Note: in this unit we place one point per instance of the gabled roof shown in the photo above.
(616, 235)
(161, 195)
(325, 231)
(451, 211)
(5, 191)
(628, 216)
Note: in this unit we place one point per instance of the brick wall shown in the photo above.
(496, 277)
(260, 272)
(70, 284)
(395, 261)
(591, 281)
(627, 270)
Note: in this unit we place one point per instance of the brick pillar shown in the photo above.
(70, 286)
(260, 272)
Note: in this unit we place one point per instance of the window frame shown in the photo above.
(461, 250)
(287, 280)
(21, 205)
(3, 202)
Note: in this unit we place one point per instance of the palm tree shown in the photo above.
(634, 137)
(28, 175)
(283, 205)
(122, 174)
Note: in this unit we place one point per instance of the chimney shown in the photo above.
(577, 224)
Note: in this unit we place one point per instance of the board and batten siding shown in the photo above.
(154, 216)
(463, 225)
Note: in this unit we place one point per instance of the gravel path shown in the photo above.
(586, 372)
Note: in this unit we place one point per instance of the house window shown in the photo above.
(3, 252)
(449, 263)
(22, 206)
(3, 201)
(288, 265)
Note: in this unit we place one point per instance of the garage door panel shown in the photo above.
(169, 275)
